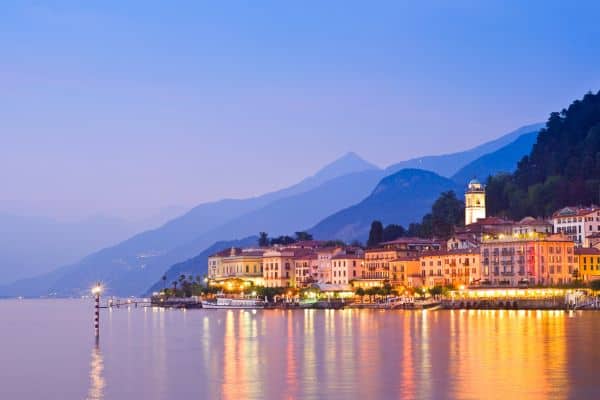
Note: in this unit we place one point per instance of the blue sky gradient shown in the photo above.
(123, 108)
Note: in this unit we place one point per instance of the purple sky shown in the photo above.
(125, 109)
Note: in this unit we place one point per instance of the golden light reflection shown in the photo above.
(97, 382)
(512, 358)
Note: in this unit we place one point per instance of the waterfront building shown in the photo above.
(578, 223)
(244, 264)
(588, 260)
(279, 267)
(386, 263)
(402, 268)
(450, 267)
(544, 260)
(346, 267)
(474, 202)
(306, 268)
(324, 256)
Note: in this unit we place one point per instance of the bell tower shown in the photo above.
(474, 202)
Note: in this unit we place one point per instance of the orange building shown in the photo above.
(450, 267)
(540, 260)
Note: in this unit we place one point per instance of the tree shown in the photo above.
(283, 240)
(446, 213)
(263, 239)
(436, 290)
(392, 232)
(375, 234)
(595, 285)
(303, 236)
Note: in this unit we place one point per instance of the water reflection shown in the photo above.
(303, 354)
(97, 382)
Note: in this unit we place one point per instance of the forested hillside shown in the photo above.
(562, 169)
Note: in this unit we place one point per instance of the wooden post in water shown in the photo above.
(96, 292)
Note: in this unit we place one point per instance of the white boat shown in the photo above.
(227, 303)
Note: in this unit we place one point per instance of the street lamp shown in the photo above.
(96, 290)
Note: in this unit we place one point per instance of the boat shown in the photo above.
(230, 303)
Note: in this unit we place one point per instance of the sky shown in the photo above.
(126, 108)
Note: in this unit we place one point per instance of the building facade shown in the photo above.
(451, 267)
(588, 261)
(346, 268)
(474, 202)
(578, 223)
(513, 261)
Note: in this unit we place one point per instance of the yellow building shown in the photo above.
(402, 268)
(588, 259)
(450, 267)
(236, 263)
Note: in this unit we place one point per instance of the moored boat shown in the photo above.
(231, 303)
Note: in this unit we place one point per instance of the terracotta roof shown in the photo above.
(452, 252)
(492, 221)
(587, 251)
(533, 221)
(410, 240)
(575, 211)
(342, 256)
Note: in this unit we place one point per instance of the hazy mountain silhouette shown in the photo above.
(504, 159)
(132, 266)
(399, 198)
(448, 164)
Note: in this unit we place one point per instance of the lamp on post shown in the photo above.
(96, 290)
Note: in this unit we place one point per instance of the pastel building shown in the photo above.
(346, 268)
(450, 267)
(394, 261)
(402, 268)
(279, 267)
(512, 261)
(245, 264)
(588, 261)
(306, 268)
(578, 223)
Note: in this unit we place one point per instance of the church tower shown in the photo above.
(474, 202)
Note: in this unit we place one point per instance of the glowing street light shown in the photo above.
(96, 290)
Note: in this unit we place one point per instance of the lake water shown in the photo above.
(47, 351)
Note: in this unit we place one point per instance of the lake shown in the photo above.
(48, 352)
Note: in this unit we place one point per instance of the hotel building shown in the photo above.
(450, 267)
(540, 260)
(578, 223)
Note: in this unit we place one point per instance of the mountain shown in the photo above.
(32, 245)
(449, 164)
(198, 265)
(132, 266)
(400, 198)
(503, 160)
(562, 169)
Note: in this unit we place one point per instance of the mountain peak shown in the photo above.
(346, 164)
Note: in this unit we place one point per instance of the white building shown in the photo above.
(578, 223)
(474, 202)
